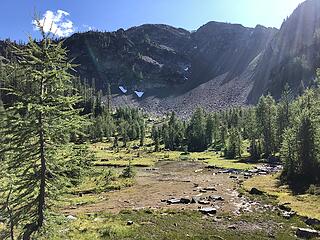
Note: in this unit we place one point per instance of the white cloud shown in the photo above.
(56, 23)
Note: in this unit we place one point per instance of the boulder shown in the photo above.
(312, 221)
(307, 233)
(129, 223)
(71, 218)
(255, 191)
(208, 210)
(203, 202)
(185, 200)
(216, 198)
(173, 201)
(210, 189)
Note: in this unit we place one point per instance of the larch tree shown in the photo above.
(37, 129)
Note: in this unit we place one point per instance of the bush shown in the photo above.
(129, 171)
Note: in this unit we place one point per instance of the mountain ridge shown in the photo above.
(217, 66)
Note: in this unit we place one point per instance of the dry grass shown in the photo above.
(305, 205)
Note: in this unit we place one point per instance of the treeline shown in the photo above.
(287, 131)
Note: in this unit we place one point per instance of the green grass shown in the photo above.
(145, 156)
(171, 224)
(305, 205)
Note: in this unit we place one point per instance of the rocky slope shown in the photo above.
(217, 66)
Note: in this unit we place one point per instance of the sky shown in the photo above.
(64, 17)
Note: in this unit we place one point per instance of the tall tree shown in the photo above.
(37, 128)
(266, 123)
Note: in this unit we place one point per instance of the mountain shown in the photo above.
(217, 66)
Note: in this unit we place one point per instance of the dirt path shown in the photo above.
(169, 180)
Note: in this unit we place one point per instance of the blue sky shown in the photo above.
(81, 15)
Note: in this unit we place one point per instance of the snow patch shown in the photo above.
(139, 94)
(123, 89)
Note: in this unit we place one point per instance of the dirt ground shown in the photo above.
(168, 180)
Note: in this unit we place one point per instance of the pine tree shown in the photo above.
(196, 132)
(109, 97)
(37, 129)
(266, 123)
(209, 130)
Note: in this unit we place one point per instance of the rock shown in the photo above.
(203, 202)
(210, 189)
(216, 198)
(185, 200)
(233, 227)
(288, 215)
(129, 223)
(312, 221)
(208, 210)
(202, 190)
(256, 191)
(285, 207)
(71, 218)
(233, 177)
(307, 233)
(173, 201)
(195, 199)
(199, 170)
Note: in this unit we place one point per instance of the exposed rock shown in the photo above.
(216, 198)
(233, 227)
(204, 202)
(208, 210)
(312, 221)
(256, 191)
(307, 233)
(129, 223)
(185, 200)
(210, 189)
(71, 218)
(174, 201)
(287, 215)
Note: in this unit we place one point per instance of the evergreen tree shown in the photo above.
(37, 129)
(266, 123)
(209, 130)
(196, 132)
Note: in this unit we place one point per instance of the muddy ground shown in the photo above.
(174, 180)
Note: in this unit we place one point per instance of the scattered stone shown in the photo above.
(71, 218)
(173, 201)
(195, 185)
(216, 198)
(204, 202)
(285, 207)
(195, 199)
(256, 191)
(209, 210)
(185, 200)
(307, 233)
(199, 170)
(233, 227)
(312, 221)
(129, 223)
(210, 189)
(288, 215)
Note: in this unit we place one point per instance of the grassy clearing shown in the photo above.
(146, 157)
(173, 225)
(305, 205)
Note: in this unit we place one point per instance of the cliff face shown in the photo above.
(217, 66)
(293, 54)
